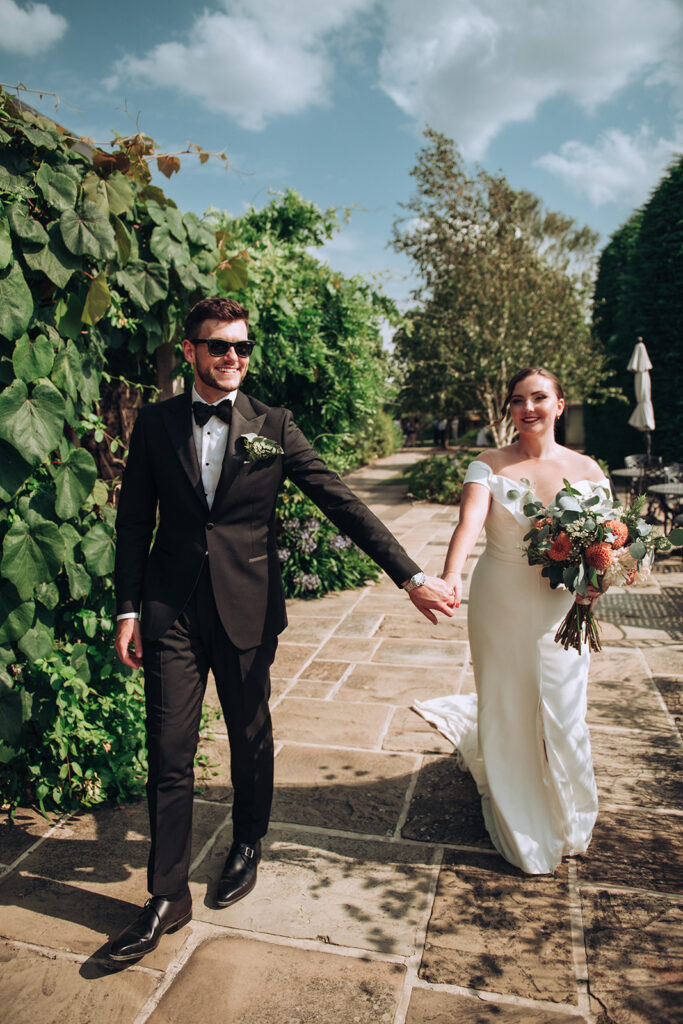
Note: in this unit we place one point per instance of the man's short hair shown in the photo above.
(214, 309)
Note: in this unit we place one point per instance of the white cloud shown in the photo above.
(253, 61)
(29, 30)
(471, 67)
(619, 168)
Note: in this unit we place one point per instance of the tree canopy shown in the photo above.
(503, 284)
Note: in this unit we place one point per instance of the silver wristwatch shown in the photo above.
(415, 581)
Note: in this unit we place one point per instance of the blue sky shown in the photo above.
(579, 101)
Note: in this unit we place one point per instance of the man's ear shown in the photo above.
(189, 350)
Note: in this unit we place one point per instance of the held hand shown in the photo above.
(591, 596)
(454, 580)
(128, 633)
(433, 594)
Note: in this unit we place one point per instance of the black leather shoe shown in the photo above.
(158, 916)
(239, 874)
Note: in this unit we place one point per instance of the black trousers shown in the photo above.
(176, 668)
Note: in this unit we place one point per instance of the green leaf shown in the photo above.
(32, 423)
(676, 537)
(31, 554)
(198, 233)
(79, 579)
(59, 189)
(89, 383)
(14, 471)
(146, 283)
(87, 232)
(100, 493)
(123, 241)
(74, 481)
(10, 715)
(5, 243)
(25, 227)
(234, 277)
(98, 548)
(54, 259)
(39, 138)
(97, 301)
(512, 495)
(36, 644)
(16, 303)
(32, 357)
(16, 616)
(48, 595)
(167, 249)
(67, 369)
(80, 663)
(637, 550)
(191, 278)
(68, 315)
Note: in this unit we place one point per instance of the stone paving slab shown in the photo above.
(341, 789)
(272, 984)
(397, 684)
(493, 928)
(325, 671)
(290, 659)
(433, 1007)
(637, 849)
(87, 881)
(628, 705)
(343, 891)
(445, 807)
(359, 624)
(400, 627)
(640, 769)
(343, 649)
(39, 989)
(29, 825)
(449, 653)
(666, 661)
(310, 629)
(635, 961)
(307, 721)
(672, 695)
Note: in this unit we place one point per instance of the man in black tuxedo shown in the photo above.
(207, 594)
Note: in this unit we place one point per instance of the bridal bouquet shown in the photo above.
(589, 540)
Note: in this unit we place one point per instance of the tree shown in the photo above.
(503, 285)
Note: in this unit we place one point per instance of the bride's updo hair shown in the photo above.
(529, 372)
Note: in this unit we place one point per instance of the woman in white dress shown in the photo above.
(523, 735)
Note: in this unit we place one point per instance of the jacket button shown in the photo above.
(209, 526)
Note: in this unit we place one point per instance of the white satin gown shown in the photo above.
(523, 734)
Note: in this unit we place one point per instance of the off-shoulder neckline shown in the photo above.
(510, 479)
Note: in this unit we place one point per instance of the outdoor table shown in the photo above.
(663, 491)
(629, 474)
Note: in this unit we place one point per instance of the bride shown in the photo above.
(523, 734)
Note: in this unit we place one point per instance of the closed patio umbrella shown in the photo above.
(643, 416)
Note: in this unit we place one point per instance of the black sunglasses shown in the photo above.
(218, 347)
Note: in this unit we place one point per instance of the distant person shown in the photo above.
(523, 735)
(443, 431)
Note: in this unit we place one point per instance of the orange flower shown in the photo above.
(560, 547)
(599, 555)
(540, 523)
(620, 531)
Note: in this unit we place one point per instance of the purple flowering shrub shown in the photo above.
(314, 556)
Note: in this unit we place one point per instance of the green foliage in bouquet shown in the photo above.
(440, 478)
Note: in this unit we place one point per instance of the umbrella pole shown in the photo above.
(648, 444)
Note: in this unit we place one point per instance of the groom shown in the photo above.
(204, 593)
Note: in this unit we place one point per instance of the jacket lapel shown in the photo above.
(244, 421)
(178, 419)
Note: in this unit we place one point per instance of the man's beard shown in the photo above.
(209, 377)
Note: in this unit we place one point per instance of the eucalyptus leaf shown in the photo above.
(676, 537)
(637, 550)
(512, 495)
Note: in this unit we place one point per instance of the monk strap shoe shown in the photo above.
(158, 916)
(239, 874)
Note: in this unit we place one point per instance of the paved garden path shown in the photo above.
(380, 899)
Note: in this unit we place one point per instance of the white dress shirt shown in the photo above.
(210, 442)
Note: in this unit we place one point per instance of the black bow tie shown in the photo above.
(202, 412)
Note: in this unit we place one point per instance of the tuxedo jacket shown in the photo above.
(165, 529)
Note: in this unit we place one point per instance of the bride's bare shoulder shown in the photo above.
(583, 467)
(497, 458)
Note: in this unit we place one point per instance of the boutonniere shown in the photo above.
(258, 448)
